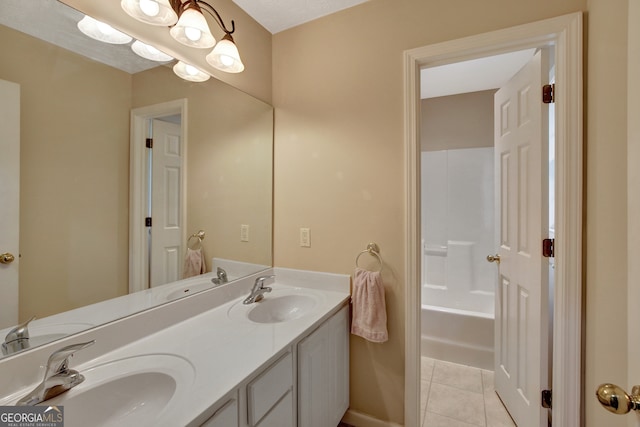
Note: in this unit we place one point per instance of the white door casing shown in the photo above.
(633, 205)
(9, 199)
(565, 34)
(522, 298)
(167, 198)
(138, 183)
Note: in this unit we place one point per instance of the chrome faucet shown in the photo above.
(258, 290)
(222, 277)
(17, 339)
(58, 378)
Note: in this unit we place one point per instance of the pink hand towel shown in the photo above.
(193, 263)
(369, 318)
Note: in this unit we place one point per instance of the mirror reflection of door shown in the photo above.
(9, 199)
(166, 201)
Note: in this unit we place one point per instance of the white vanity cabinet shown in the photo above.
(323, 373)
(306, 386)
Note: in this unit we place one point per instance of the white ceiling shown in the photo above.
(486, 73)
(279, 15)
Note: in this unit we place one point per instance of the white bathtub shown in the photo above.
(457, 336)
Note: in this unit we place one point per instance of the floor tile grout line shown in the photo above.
(426, 405)
(484, 399)
(485, 386)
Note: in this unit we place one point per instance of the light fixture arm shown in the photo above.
(201, 5)
(214, 13)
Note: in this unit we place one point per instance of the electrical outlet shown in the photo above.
(244, 233)
(305, 238)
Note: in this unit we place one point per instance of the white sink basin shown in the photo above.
(281, 305)
(136, 391)
(281, 309)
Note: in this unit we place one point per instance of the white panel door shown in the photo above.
(521, 326)
(9, 199)
(167, 199)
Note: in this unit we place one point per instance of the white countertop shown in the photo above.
(222, 351)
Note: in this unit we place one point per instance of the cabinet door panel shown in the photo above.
(339, 345)
(313, 379)
(323, 373)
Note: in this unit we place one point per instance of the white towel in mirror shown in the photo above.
(193, 263)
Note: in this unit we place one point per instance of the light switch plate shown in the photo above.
(244, 233)
(305, 238)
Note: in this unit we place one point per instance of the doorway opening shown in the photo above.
(564, 34)
(157, 194)
(461, 231)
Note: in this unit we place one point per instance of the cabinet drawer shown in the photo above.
(226, 416)
(281, 415)
(266, 390)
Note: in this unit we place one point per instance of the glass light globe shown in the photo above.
(192, 30)
(225, 56)
(102, 32)
(154, 12)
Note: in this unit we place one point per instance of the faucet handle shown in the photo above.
(260, 280)
(59, 360)
(20, 332)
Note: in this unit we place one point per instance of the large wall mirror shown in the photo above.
(76, 167)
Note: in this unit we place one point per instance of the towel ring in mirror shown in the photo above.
(199, 236)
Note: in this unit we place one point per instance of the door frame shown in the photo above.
(633, 200)
(565, 33)
(138, 256)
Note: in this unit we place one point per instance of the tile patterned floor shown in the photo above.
(444, 385)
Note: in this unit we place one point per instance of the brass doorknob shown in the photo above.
(494, 258)
(616, 400)
(6, 258)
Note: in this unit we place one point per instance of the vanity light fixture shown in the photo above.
(149, 52)
(102, 32)
(154, 12)
(189, 72)
(225, 56)
(191, 28)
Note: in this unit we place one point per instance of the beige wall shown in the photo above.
(74, 186)
(457, 121)
(229, 162)
(338, 93)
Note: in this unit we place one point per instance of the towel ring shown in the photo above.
(372, 249)
(199, 235)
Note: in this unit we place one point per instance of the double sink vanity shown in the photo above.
(209, 359)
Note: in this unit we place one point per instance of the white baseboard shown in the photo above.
(359, 419)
